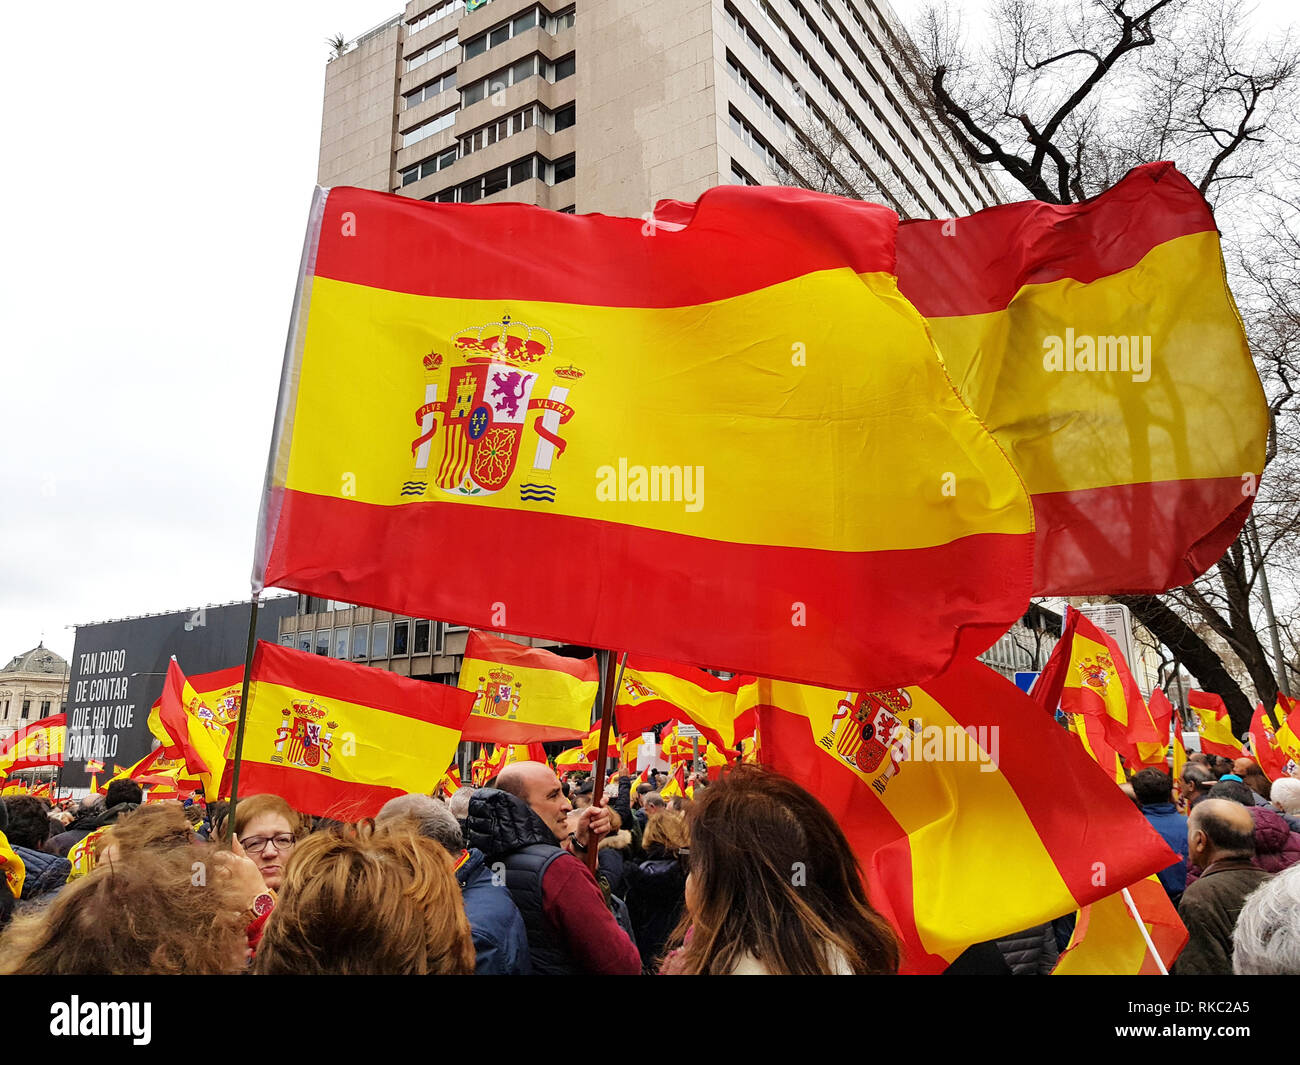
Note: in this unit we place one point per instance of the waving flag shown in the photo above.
(1107, 941)
(197, 724)
(526, 694)
(15, 872)
(1215, 728)
(1155, 754)
(1088, 676)
(339, 740)
(1101, 345)
(1266, 743)
(922, 778)
(40, 743)
(655, 691)
(737, 423)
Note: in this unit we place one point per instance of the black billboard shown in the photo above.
(118, 668)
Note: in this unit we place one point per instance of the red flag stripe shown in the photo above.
(559, 601)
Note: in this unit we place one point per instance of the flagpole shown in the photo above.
(1146, 936)
(243, 716)
(606, 717)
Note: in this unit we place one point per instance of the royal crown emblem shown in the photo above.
(867, 729)
(498, 695)
(305, 739)
(637, 690)
(1096, 673)
(474, 418)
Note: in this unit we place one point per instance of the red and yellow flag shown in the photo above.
(197, 723)
(1215, 728)
(654, 691)
(1100, 344)
(1155, 754)
(921, 779)
(1087, 675)
(690, 410)
(1108, 942)
(40, 743)
(15, 872)
(526, 694)
(339, 740)
(573, 759)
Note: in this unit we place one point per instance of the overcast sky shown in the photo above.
(159, 162)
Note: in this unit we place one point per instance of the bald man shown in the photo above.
(522, 827)
(1221, 840)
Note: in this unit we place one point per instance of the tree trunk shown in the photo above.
(1193, 652)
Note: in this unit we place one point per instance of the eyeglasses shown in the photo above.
(257, 844)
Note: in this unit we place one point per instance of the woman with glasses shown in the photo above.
(267, 829)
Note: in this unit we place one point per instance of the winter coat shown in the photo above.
(1031, 952)
(1172, 826)
(500, 939)
(1276, 846)
(656, 897)
(612, 860)
(46, 873)
(1209, 908)
(84, 826)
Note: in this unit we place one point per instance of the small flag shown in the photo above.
(14, 870)
(654, 691)
(339, 740)
(1215, 726)
(38, 744)
(526, 694)
(1107, 941)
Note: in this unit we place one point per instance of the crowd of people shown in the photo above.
(496, 880)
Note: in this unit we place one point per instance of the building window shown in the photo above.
(571, 209)
(434, 14)
(429, 127)
(434, 50)
(401, 633)
(430, 89)
(564, 118)
(530, 19)
(739, 175)
(514, 74)
(323, 642)
(304, 642)
(360, 641)
(27, 707)
(45, 708)
(426, 167)
(421, 638)
(564, 68)
(6, 709)
(564, 169)
(287, 639)
(499, 130)
(380, 646)
(341, 643)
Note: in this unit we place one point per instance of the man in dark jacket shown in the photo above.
(29, 828)
(500, 939)
(122, 797)
(1221, 840)
(519, 826)
(1155, 795)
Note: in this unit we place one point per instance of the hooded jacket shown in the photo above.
(500, 939)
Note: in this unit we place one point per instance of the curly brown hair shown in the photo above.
(158, 913)
(773, 878)
(362, 901)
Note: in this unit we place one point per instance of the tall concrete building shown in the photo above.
(611, 105)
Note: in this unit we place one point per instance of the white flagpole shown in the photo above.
(1132, 908)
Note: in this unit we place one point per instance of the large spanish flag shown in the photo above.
(1088, 675)
(1108, 942)
(1100, 344)
(339, 740)
(40, 743)
(655, 691)
(526, 694)
(730, 443)
(1215, 728)
(972, 812)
